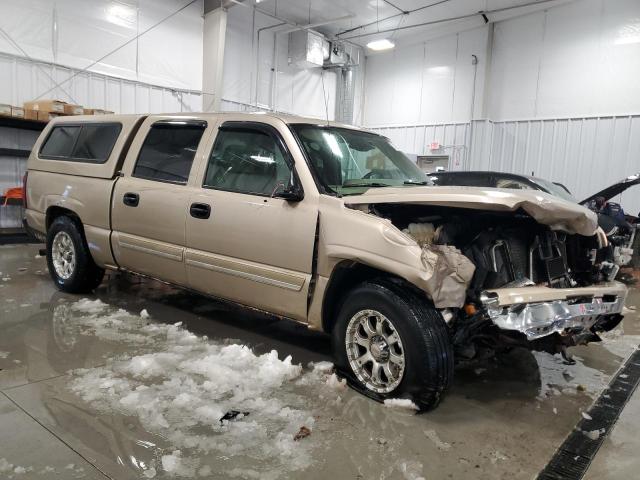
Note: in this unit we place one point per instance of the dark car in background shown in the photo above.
(619, 227)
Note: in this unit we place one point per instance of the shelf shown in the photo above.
(15, 122)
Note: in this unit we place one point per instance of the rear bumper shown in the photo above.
(34, 234)
(540, 311)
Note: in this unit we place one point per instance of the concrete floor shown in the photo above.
(503, 418)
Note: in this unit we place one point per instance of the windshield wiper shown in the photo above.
(374, 184)
(413, 182)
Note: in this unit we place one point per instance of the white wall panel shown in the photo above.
(75, 33)
(580, 58)
(430, 82)
(288, 89)
(90, 89)
(514, 68)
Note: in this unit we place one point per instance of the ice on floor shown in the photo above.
(403, 403)
(179, 386)
(12, 470)
(4, 354)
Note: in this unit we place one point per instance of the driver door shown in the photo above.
(251, 247)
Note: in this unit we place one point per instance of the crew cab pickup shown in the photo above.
(325, 224)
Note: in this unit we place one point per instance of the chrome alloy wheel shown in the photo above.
(375, 351)
(63, 255)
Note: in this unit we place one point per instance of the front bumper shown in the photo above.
(540, 311)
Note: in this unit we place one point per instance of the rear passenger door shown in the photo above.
(244, 243)
(150, 201)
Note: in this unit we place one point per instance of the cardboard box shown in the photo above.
(70, 109)
(40, 116)
(93, 111)
(55, 106)
(46, 116)
(11, 111)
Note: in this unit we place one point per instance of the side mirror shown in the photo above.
(290, 194)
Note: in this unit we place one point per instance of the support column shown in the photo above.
(215, 29)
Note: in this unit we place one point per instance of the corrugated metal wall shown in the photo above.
(416, 139)
(25, 79)
(586, 154)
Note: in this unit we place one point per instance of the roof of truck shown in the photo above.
(286, 118)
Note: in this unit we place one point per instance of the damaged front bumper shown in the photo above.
(540, 311)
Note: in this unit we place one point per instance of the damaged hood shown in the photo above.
(615, 189)
(546, 209)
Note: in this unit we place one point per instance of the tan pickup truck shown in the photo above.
(325, 224)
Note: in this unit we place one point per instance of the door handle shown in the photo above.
(131, 199)
(200, 210)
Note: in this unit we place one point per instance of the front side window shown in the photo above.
(88, 142)
(248, 160)
(168, 151)
(346, 161)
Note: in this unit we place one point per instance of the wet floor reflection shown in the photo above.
(503, 417)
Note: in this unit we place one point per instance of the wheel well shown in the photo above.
(345, 276)
(55, 212)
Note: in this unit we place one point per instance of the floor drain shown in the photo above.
(572, 459)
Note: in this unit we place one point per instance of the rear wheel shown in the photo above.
(390, 343)
(68, 258)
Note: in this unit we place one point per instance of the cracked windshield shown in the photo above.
(349, 162)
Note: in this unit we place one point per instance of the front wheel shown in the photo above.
(389, 342)
(68, 258)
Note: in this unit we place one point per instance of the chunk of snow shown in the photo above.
(403, 403)
(594, 434)
(149, 472)
(85, 305)
(177, 466)
(4, 354)
(322, 367)
(586, 416)
(334, 382)
(144, 313)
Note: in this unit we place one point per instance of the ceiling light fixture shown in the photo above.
(383, 44)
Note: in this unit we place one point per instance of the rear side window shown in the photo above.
(60, 142)
(90, 142)
(168, 151)
(95, 142)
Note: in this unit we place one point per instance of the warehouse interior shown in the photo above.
(545, 89)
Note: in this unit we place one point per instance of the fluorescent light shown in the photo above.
(383, 44)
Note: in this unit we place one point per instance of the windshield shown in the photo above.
(348, 162)
(555, 189)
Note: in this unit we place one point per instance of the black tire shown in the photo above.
(86, 275)
(428, 351)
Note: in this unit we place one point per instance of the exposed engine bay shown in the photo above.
(473, 254)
